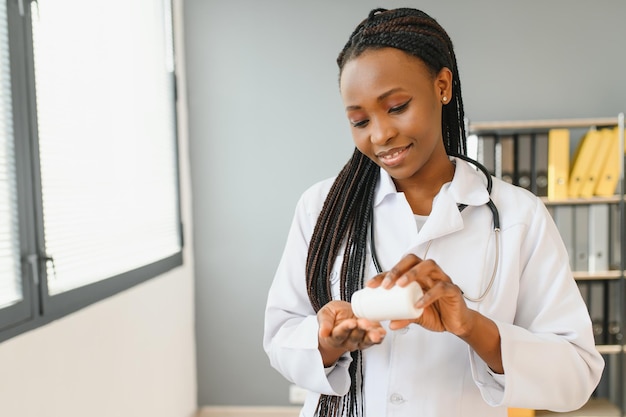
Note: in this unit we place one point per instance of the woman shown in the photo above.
(503, 325)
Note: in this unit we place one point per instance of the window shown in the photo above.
(88, 160)
(10, 274)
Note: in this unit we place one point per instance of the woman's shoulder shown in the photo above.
(312, 199)
(518, 202)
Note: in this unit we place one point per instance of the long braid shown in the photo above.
(344, 221)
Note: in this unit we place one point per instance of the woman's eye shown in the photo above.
(359, 123)
(400, 108)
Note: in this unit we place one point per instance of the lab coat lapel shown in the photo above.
(444, 217)
(394, 224)
(467, 187)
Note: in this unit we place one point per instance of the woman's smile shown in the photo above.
(394, 156)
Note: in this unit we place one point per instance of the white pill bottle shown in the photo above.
(395, 303)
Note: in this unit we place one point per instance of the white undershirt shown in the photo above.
(420, 220)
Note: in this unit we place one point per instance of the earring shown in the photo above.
(444, 99)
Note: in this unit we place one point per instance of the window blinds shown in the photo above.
(107, 140)
(10, 271)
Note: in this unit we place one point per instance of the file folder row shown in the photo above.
(544, 163)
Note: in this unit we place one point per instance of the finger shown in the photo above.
(399, 324)
(426, 273)
(368, 324)
(326, 323)
(337, 333)
(440, 290)
(356, 337)
(342, 331)
(405, 264)
(374, 337)
(376, 281)
(373, 330)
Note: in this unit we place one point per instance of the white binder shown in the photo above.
(564, 219)
(598, 237)
(581, 237)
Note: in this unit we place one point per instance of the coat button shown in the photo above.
(396, 399)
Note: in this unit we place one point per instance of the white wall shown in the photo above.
(132, 355)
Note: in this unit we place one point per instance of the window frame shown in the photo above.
(38, 307)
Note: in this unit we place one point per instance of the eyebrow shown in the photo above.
(379, 99)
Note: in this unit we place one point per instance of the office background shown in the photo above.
(261, 120)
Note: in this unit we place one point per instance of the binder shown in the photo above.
(523, 158)
(598, 253)
(472, 145)
(602, 142)
(540, 176)
(596, 306)
(581, 237)
(609, 174)
(558, 163)
(487, 153)
(614, 334)
(564, 220)
(615, 246)
(520, 412)
(583, 157)
(507, 157)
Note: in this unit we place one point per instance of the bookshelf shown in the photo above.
(590, 219)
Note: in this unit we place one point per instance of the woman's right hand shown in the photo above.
(341, 331)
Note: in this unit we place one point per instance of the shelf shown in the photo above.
(610, 349)
(517, 126)
(596, 276)
(600, 407)
(579, 201)
(513, 144)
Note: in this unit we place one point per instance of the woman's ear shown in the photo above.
(443, 85)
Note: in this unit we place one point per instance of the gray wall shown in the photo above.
(266, 121)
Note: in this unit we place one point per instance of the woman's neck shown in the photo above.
(421, 191)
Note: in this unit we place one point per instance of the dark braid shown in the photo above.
(344, 221)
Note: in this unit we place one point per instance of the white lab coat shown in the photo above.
(548, 351)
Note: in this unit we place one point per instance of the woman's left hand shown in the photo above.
(443, 303)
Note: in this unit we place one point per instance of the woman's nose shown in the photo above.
(382, 131)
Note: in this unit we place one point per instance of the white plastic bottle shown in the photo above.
(395, 303)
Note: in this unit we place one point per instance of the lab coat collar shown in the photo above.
(468, 186)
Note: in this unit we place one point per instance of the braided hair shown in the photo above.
(347, 213)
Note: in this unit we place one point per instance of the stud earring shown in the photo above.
(444, 99)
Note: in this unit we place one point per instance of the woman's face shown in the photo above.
(394, 104)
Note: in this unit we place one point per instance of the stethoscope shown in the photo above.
(496, 229)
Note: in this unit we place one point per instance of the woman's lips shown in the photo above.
(393, 156)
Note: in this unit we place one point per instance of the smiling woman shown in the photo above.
(486, 339)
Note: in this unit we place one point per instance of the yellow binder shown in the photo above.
(520, 412)
(558, 163)
(609, 175)
(585, 152)
(601, 146)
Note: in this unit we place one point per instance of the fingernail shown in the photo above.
(387, 281)
(420, 303)
(402, 281)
